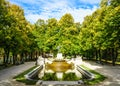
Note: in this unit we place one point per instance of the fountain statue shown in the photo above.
(59, 64)
(59, 56)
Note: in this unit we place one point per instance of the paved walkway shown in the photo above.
(9, 73)
(112, 72)
(60, 82)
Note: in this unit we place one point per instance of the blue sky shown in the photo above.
(45, 9)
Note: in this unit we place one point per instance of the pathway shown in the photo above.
(112, 72)
(9, 73)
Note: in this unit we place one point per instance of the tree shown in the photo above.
(13, 30)
(5, 23)
(100, 31)
(66, 20)
(68, 35)
(39, 33)
(112, 27)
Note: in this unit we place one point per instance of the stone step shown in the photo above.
(61, 83)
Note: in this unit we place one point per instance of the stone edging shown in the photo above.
(33, 73)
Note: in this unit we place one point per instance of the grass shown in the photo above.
(70, 77)
(22, 79)
(66, 77)
(98, 77)
(50, 77)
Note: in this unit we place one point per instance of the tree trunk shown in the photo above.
(92, 55)
(36, 55)
(39, 53)
(75, 56)
(25, 56)
(116, 54)
(99, 56)
(14, 59)
(96, 55)
(113, 57)
(6, 56)
(21, 58)
(7, 60)
(106, 55)
(31, 56)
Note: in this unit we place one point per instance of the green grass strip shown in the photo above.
(20, 77)
(98, 77)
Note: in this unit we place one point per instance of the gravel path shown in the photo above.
(112, 72)
(9, 73)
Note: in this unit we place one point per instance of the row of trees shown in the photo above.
(63, 34)
(100, 32)
(16, 38)
(97, 37)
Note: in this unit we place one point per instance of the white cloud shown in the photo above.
(90, 1)
(46, 9)
(78, 14)
(18, 2)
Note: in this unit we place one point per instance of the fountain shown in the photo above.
(59, 69)
(59, 56)
(59, 75)
(59, 64)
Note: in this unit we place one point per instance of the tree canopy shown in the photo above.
(97, 35)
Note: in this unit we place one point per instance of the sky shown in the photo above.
(46, 9)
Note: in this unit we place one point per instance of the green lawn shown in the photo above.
(22, 79)
(98, 77)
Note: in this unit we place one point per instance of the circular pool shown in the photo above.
(59, 66)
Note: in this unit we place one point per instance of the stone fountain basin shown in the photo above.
(59, 66)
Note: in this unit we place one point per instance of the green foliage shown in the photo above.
(15, 31)
(98, 77)
(52, 33)
(20, 77)
(104, 3)
(66, 77)
(70, 77)
(50, 77)
(66, 20)
(99, 31)
(115, 3)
